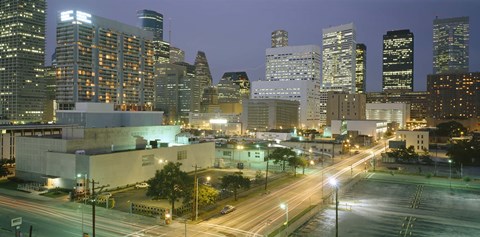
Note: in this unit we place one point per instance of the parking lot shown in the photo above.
(400, 205)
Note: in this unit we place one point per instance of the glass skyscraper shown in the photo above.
(339, 58)
(398, 61)
(450, 45)
(151, 21)
(22, 56)
(279, 38)
(361, 68)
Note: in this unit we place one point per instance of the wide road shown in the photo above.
(261, 215)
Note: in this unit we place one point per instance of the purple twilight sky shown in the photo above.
(235, 33)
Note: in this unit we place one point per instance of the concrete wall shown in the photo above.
(417, 139)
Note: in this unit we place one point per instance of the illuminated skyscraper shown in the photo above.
(339, 58)
(202, 71)
(176, 55)
(361, 68)
(279, 38)
(22, 56)
(240, 79)
(398, 61)
(450, 45)
(153, 21)
(101, 60)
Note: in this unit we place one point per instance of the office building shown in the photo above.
(177, 91)
(361, 69)
(390, 112)
(152, 21)
(240, 79)
(306, 92)
(450, 45)
(22, 55)
(50, 90)
(113, 62)
(176, 55)
(454, 96)
(416, 99)
(371, 129)
(418, 139)
(292, 63)
(398, 61)
(209, 101)
(266, 114)
(345, 106)
(279, 38)
(339, 58)
(202, 71)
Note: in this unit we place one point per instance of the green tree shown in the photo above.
(206, 195)
(234, 182)
(404, 154)
(282, 155)
(4, 171)
(451, 129)
(295, 162)
(170, 183)
(464, 152)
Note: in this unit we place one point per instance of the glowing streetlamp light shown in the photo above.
(284, 206)
(334, 183)
(450, 176)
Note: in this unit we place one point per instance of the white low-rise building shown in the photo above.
(417, 139)
(371, 128)
(391, 112)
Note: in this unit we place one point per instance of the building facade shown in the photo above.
(361, 69)
(398, 61)
(240, 79)
(152, 21)
(345, 106)
(454, 96)
(339, 58)
(22, 55)
(390, 112)
(176, 55)
(451, 38)
(279, 38)
(306, 92)
(101, 60)
(416, 99)
(292, 63)
(417, 139)
(202, 71)
(266, 114)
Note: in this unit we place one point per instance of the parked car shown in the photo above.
(142, 185)
(227, 209)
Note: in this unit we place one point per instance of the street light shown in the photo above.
(334, 183)
(284, 206)
(450, 176)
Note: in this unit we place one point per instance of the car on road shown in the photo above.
(227, 209)
(142, 185)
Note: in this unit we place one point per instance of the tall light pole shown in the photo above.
(285, 207)
(334, 183)
(450, 176)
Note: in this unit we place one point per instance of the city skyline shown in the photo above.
(232, 45)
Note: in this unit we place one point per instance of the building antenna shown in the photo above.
(170, 30)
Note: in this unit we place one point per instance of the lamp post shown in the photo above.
(450, 176)
(266, 171)
(334, 183)
(285, 207)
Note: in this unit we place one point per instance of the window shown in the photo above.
(227, 153)
(181, 155)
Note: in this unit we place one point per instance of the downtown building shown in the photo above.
(22, 56)
(152, 21)
(202, 71)
(101, 60)
(451, 45)
(454, 96)
(361, 68)
(279, 38)
(398, 61)
(241, 80)
(293, 73)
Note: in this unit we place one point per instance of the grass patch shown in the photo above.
(55, 193)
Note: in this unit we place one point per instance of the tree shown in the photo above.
(295, 162)
(234, 182)
(170, 183)
(404, 154)
(282, 155)
(4, 171)
(451, 129)
(464, 152)
(206, 195)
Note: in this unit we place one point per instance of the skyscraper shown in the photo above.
(292, 63)
(176, 55)
(339, 58)
(153, 21)
(398, 61)
(101, 60)
(361, 68)
(450, 45)
(279, 38)
(240, 79)
(202, 71)
(22, 56)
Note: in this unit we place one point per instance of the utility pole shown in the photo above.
(195, 191)
(93, 203)
(266, 174)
